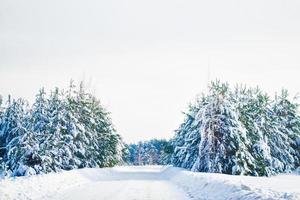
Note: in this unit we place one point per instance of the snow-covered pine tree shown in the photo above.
(16, 139)
(74, 148)
(4, 118)
(286, 136)
(252, 106)
(178, 143)
(29, 159)
(37, 132)
(86, 137)
(187, 137)
(266, 131)
(111, 141)
(67, 130)
(96, 141)
(223, 145)
(54, 140)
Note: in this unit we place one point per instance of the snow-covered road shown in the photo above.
(140, 183)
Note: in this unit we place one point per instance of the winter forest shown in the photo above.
(62, 130)
(239, 131)
(149, 100)
(231, 130)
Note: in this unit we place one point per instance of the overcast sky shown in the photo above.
(146, 60)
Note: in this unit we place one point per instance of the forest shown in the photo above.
(239, 131)
(62, 130)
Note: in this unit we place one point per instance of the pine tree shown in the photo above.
(67, 130)
(287, 132)
(187, 138)
(15, 138)
(79, 121)
(223, 146)
(253, 106)
(38, 129)
(241, 132)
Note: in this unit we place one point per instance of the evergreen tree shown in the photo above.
(187, 138)
(65, 130)
(286, 146)
(223, 145)
(253, 107)
(15, 137)
(239, 132)
(53, 137)
(38, 129)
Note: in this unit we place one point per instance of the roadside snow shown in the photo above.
(148, 182)
(43, 186)
(220, 186)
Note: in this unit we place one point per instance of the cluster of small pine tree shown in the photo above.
(239, 131)
(152, 152)
(65, 130)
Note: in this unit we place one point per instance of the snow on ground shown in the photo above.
(221, 186)
(148, 183)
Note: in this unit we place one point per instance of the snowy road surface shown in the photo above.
(124, 189)
(127, 183)
(148, 183)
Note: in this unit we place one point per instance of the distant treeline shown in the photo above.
(65, 129)
(152, 152)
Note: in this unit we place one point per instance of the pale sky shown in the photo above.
(146, 60)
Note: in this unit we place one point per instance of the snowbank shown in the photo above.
(47, 185)
(220, 186)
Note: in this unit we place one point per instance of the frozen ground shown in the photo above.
(147, 183)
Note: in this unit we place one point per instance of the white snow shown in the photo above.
(220, 186)
(147, 182)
